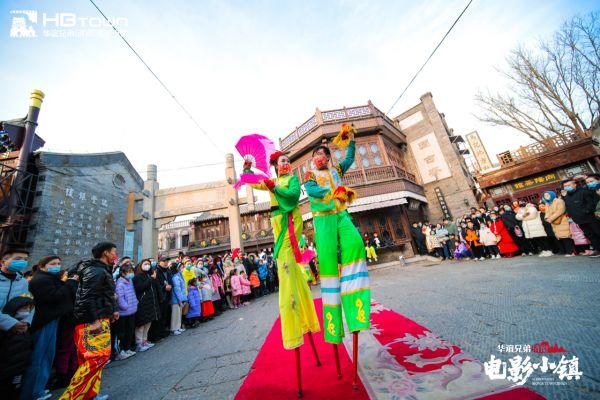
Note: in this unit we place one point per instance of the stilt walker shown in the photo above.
(296, 306)
(347, 287)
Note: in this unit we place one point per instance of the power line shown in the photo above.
(157, 78)
(428, 58)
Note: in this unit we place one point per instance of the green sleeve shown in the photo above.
(288, 197)
(347, 162)
(314, 190)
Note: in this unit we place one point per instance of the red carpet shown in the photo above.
(399, 359)
(273, 374)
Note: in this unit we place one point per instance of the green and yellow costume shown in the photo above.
(298, 314)
(349, 288)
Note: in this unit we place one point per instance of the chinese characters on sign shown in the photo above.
(520, 368)
(82, 220)
(443, 205)
(430, 159)
(533, 182)
(481, 156)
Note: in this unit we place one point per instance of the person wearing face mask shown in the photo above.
(580, 204)
(556, 216)
(148, 306)
(419, 238)
(95, 307)
(128, 305)
(513, 225)
(178, 299)
(15, 348)
(52, 300)
(188, 272)
(593, 183)
(348, 290)
(164, 283)
(505, 242)
(13, 284)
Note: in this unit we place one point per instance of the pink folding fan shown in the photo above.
(255, 149)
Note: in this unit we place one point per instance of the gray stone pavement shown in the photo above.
(476, 305)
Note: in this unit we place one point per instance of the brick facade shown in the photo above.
(454, 181)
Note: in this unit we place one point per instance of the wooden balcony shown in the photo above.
(376, 175)
(537, 158)
(366, 118)
(531, 151)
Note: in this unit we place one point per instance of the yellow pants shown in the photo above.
(371, 252)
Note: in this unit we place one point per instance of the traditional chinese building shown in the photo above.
(208, 232)
(389, 195)
(527, 172)
(436, 154)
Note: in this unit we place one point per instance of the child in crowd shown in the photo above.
(208, 309)
(461, 251)
(194, 313)
(127, 303)
(15, 348)
(262, 275)
(472, 239)
(236, 288)
(246, 285)
(489, 240)
(255, 281)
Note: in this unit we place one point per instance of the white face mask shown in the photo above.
(20, 315)
(146, 267)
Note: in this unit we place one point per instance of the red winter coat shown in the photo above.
(506, 243)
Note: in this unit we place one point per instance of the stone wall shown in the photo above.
(81, 199)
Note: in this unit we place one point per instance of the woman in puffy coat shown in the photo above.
(506, 244)
(533, 228)
(556, 216)
(178, 299)
(148, 306)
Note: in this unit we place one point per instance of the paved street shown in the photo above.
(476, 305)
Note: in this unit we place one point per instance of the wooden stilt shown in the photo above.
(312, 344)
(355, 360)
(298, 372)
(337, 361)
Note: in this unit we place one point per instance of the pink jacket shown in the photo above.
(577, 234)
(216, 283)
(245, 285)
(236, 285)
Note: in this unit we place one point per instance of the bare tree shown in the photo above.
(554, 88)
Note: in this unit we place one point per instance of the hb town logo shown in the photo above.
(22, 23)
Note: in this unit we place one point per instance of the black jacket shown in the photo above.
(51, 297)
(164, 277)
(67, 321)
(95, 297)
(146, 293)
(581, 205)
(417, 233)
(15, 348)
(510, 220)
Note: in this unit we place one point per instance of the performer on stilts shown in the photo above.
(296, 306)
(346, 287)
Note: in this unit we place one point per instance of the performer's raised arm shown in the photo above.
(347, 162)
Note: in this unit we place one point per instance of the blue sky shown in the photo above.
(257, 66)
